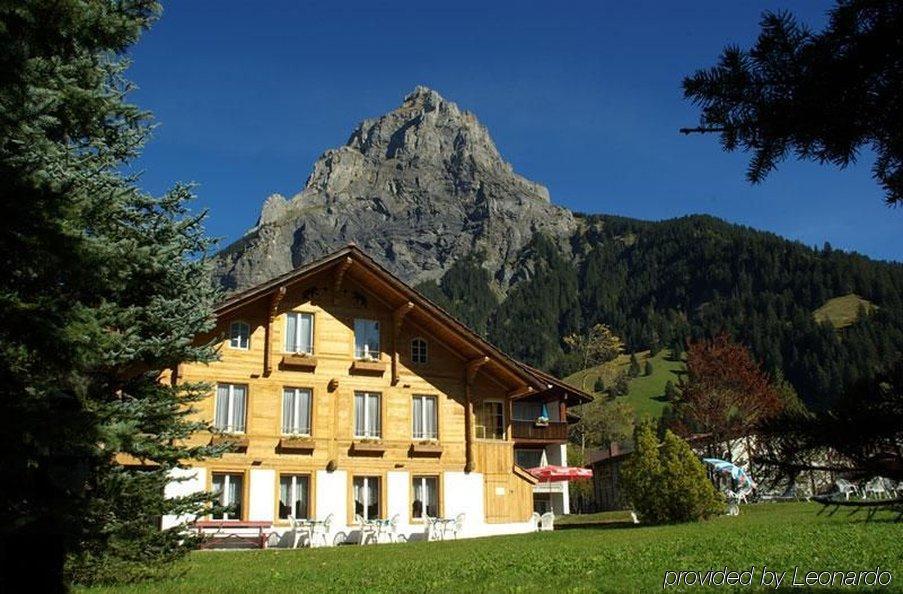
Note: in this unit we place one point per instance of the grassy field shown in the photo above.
(781, 536)
(645, 395)
(842, 311)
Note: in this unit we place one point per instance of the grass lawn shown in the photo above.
(779, 535)
(646, 391)
(842, 311)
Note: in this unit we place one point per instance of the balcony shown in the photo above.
(552, 431)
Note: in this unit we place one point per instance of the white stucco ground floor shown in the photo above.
(333, 494)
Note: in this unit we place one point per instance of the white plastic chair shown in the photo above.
(846, 488)
(322, 530)
(547, 522)
(454, 527)
(876, 487)
(534, 520)
(367, 529)
(300, 528)
(391, 530)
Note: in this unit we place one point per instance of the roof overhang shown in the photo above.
(350, 261)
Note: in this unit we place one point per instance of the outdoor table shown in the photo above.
(440, 525)
(378, 524)
(308, 525)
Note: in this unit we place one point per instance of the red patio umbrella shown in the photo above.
(559, 473)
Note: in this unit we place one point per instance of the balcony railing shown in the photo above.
(552, 431)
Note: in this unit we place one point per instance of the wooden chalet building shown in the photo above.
(349, 393)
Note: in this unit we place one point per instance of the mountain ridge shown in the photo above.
(424, 190)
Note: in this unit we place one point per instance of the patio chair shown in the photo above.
(547, 522)
(454, 527)
(737, 497)
(876, 487)
(846, 488)
(321, 529)
(391, 530)
(430, 528)
(367, 529)
(534, 521)
(300, 528)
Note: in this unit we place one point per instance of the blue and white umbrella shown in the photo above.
(738, 473)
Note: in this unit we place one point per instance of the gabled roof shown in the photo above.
(524, 380)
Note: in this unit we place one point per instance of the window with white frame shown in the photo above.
(366, 339)
(228, 490)
(231, 407)
(426, 418)
(296, 405)
(239, 335)
(418, 350)
(366, 497)
(299, 333)
(366, 414)
(294, 496)
(490, 420)
(426, 497)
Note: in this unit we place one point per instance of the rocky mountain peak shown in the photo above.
(418, 187)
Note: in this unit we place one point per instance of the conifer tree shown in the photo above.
(633, 370)
(104, 289)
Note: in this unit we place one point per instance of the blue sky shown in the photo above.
(582, 97)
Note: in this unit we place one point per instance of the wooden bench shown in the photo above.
(234, 531)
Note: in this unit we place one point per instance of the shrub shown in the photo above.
(668, 483)
(648, 369)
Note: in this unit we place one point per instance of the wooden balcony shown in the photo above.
(553, 431)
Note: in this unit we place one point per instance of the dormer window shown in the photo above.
(239, 335)
(299, 333)
(418, 350)
(366, 339)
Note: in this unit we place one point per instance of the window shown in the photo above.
(366, 414)
(294, 495)
(491, 421)
(426, 497)
(239, 335)
(366, 339)
(526, 458)
(530, 411)
(231, 404)
(418, 350)
(299, 333)
(296, 411)
(426, 422)
(228, 491)
(366, 497)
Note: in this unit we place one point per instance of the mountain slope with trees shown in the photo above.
(660, 284)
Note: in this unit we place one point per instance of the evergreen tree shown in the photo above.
(648, 369)
(599, 385)
(671, 394)
(641, 475)
(633, 370)
(667, 483)
(104, 288)
(621, 386)
(817, 96)
(685, 488)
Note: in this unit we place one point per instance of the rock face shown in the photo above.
(417, 188)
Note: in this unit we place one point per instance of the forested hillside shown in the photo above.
(658, 284)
